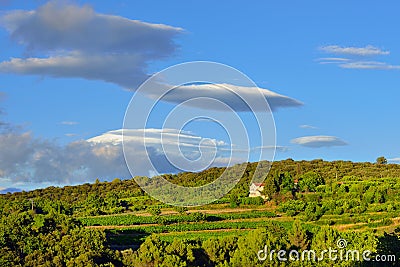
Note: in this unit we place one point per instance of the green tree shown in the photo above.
(313, 211)
(150, 253)
(270, 187)
(220, 250)
(287, 182)
(381, 160)
(273, 236)
(298, 236)
(310, 180)
(94, 204)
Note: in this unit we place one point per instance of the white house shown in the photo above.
(256, 189)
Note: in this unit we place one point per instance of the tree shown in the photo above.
(270, 187)
(234, 200)
(273, 236)
(287, 182)
(310, 180)
(220, 250)
(94, 204)
(313, 211)
(298, 236)
(381, 160)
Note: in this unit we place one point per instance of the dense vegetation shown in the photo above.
(310, 205)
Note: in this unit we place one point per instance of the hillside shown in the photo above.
(117, 224)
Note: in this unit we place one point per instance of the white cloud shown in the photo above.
(59, 27)
(375, 65)
(232, 95)
(318, 141)
(354, 62)
(368, 50)
(276, 148)
(26, 160)
(306, 126)
(75, 41)
(127, 71)
(394, 160)
(325, 60)
(181, 147)
(69, 123)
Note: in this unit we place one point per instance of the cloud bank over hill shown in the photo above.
(25, 159)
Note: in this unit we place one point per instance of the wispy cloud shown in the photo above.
(368, 50)
(318, 141)
(69, 123)
(307, 126)
(394, 160)
(373, 65)
(276, 148)
(353, 61)
(333, 59)
(70, 134)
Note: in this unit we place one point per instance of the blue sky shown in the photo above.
(340, 59)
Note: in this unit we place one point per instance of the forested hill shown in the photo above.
(330, 171)
(311, 205)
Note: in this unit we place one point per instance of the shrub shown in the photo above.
(252, 201)
(154, 210)
(338, 211)
(313, 211)
(198, 216)
(180, 210)
(292, 207)
(310, 180)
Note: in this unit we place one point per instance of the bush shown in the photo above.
(359, 209)
(390, 208)
(252, 201)
(310, 180)
(154, 210)
(198, 216)
(329, 206)
(313, 212)
(383, 222)
(180, 210)
(338, 211)
(292, 207)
